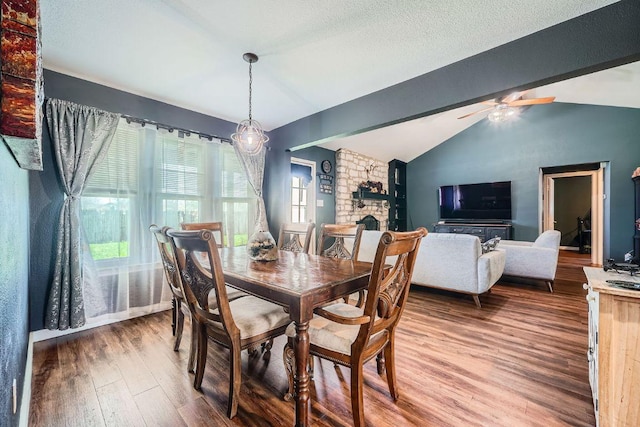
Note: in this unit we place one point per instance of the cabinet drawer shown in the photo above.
(497, 232)
(476, 231)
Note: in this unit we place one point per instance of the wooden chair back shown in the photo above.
(296, 237)
(339, 232)
(211, 226)
(388, 288)
(201, 272)
(169, 264)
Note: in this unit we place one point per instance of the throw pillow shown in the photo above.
(490, 245)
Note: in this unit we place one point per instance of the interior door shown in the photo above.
(596, 196)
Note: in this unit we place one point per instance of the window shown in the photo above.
(298, 200)
(154, 176)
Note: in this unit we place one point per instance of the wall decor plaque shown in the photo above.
(326, 183)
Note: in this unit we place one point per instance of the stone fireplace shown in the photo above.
(351, 169)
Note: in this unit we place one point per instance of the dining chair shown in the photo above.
(212, 226)
(296, 237)
(218, 229)
(236, 325)
(179, 307)
(350, 335)
(337, 247)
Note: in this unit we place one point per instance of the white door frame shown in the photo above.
(597, 206)
(311, 197)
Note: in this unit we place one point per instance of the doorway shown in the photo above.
(573, 204)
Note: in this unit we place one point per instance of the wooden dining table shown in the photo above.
(300, 282)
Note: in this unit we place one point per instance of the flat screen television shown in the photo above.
(486, 201)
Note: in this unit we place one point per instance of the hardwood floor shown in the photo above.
(518, 361)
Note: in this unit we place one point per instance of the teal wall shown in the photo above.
(14, 281)
(544, 136)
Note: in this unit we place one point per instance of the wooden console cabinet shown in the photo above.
(614, 349)
(483, 231)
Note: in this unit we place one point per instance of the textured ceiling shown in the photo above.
(313, 55)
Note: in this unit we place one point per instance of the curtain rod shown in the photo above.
(187, 132)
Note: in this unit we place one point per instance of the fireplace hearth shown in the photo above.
(370, 222)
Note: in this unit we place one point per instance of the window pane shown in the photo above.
(236, 222)
(295, 196)
(106, 226)
(302, 214)
(175, 212)
(303, 197)
(295, 213)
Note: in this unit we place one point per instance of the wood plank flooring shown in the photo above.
(518, 361)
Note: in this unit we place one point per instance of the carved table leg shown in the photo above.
(301, 378)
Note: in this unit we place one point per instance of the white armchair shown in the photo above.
(535, 260)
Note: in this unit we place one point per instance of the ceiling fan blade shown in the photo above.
(475, 112)
(534, 101)
(493, 103)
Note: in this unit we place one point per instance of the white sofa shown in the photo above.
(447, 261)
(534, 260)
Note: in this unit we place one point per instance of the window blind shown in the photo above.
(118, 172)
(180, 166)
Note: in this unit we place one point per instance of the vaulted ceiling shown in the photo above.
(313, 55)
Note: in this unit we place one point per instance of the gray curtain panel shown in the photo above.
(253, 165)
(81, 136)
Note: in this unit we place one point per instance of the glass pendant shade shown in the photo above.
(249, 136)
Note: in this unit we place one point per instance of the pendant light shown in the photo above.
(249, 136)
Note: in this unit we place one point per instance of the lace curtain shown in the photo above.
(253, 165)
(81, 136)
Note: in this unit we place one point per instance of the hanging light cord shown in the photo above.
(250, 84)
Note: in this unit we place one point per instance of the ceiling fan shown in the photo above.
(505, 108)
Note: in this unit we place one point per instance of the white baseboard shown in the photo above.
(45, 334)
(25, 401)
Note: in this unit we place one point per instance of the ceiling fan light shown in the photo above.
(502, 113)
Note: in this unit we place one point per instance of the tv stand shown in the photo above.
(485, 230)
